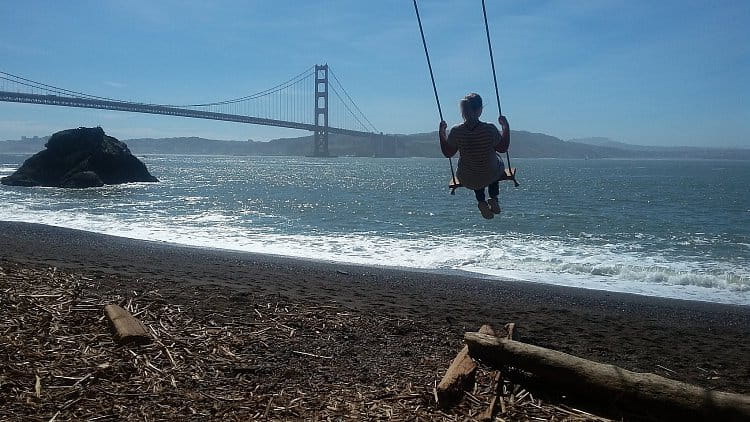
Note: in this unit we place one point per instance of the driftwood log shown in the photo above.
(127, 329)
(642, 392)
(460, 376)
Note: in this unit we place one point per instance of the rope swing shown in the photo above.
(510, 173)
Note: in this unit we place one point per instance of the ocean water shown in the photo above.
(665, 228)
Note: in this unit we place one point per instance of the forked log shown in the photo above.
(642, 392)
(489, 412)
(127, 329)
(460, 375)
(510, 329)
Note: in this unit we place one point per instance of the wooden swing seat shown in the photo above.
(509, 174)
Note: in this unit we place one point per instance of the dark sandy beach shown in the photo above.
(697, 342)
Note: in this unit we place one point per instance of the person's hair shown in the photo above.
(471, 102)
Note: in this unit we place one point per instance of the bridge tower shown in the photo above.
(321, 111)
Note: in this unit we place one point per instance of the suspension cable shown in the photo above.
(372, 126)
(347, 108)
(52, 88)
(34, 84)
(304, 74)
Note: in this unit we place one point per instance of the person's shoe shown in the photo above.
(485, 210)
(494, 205)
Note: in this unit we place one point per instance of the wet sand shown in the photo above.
(697, 342)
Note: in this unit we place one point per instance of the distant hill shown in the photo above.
(523, 145)
(607, 142)
(610, 143)
(24, 146)
(648, 151)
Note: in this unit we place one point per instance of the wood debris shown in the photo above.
(221, 354)
(215, 354)
(127, 329)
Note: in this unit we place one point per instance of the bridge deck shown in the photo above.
(56, 100)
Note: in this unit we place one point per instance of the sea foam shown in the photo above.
(511, 256)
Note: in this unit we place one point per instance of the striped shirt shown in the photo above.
(478, 166)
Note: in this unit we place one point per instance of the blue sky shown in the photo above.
(657, 73)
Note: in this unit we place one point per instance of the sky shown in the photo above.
(668, 72)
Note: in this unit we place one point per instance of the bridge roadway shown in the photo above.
(16, 97)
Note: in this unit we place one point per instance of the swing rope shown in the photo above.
(432, 77)
(494, 77)
(492, 58)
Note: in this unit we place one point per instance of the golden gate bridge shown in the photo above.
(313, 100)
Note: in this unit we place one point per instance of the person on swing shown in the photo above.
(477, 141)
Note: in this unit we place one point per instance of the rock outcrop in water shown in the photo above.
(80, 158)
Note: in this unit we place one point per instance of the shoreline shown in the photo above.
(438, 272)
(703, 343)
(443, 274)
